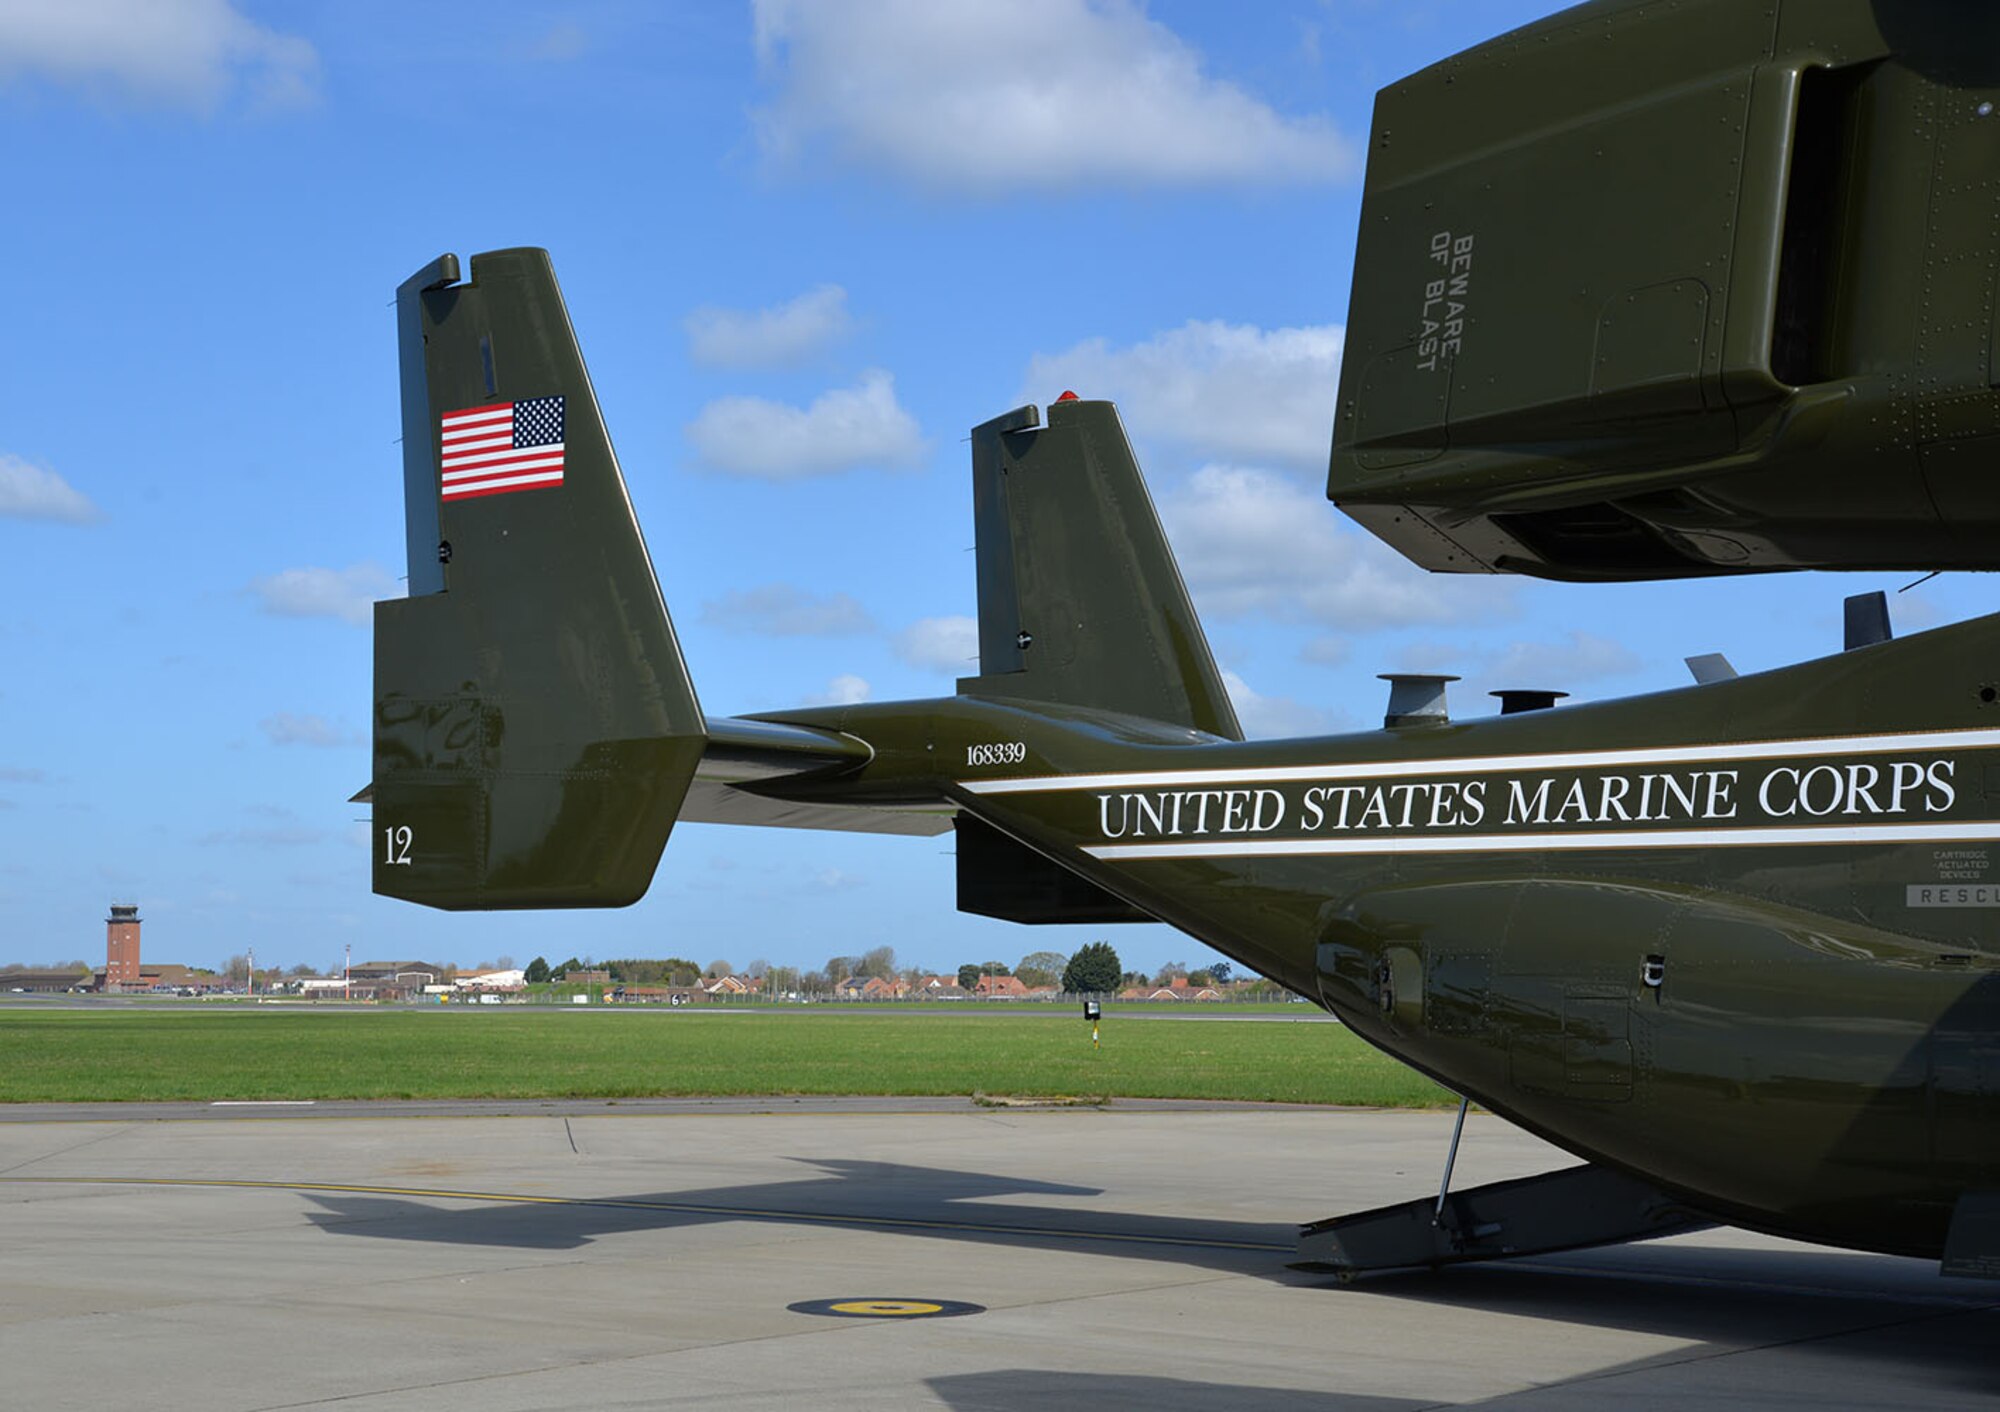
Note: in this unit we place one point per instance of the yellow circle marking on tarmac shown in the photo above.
(885, 1308)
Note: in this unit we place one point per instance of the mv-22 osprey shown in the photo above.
(1642, 290)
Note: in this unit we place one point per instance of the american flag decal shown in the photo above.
(506, 446)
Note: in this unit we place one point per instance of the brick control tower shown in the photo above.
(121, 947)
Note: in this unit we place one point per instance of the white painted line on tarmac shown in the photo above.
(263, 1103)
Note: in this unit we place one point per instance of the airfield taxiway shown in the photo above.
(669, 1254)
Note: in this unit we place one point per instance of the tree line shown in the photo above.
(1095, 969)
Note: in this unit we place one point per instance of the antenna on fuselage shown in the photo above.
(1867, 620)
(1710, 667)
(1516, 699)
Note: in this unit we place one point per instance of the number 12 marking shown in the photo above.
(396, 845)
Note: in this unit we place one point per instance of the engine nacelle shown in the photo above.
(1649, 290)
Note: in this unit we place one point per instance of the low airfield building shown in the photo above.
(166, 978)
(406, 973)
(44, 982)
(656, 995)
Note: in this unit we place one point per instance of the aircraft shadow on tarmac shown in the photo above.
(1931, 1331)
(947, 1205)
(1864, 1330)
(1034, 1390)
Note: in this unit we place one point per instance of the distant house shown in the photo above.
(1000, 988)
(593, 977)
(870, 988)
(941, 988)
(730, 985)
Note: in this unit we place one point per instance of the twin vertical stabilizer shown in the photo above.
(536, 733)
(535, 728)
(1080, 601)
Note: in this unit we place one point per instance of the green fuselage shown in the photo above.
(1739, 939)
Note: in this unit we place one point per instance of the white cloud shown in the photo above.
(844, 690)
(271, 836)
(191, 53)
(560, 43)
(1449, 658)
(1037, 93)
(1578, 658)
(1324, 651)
(1229, 390)
(784, 611)
(1910, 611)
(285, 728)
(30, 492)
(1274, 717)
(1554, 665)
(348, 594)
(1254, 543)
(941, 644)
(775, 337)
(845, 428)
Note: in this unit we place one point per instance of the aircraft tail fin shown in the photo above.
(535, 729)
(1080, 600)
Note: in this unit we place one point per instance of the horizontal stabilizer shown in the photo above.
(1564, 1210)
(745, 755)
(747, 759)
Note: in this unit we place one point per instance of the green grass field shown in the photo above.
(82, 1056)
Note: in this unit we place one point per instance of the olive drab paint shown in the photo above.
(1649, 290)
(1735, 946)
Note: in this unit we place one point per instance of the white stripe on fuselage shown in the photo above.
(1533, 842)
(1988, 736)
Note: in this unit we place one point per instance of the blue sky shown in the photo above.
(806, 246)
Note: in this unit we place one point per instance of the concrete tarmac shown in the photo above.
(592, 1256)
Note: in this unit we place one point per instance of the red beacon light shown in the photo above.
(1067, 396)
